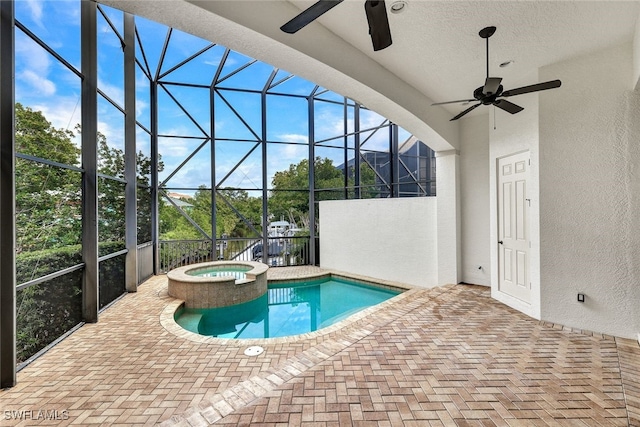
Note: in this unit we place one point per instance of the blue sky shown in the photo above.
(44, 84)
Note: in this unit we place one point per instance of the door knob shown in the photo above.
(500, 241)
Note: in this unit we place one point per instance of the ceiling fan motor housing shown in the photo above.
(487, 99)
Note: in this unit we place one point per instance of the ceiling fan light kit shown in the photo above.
(398, 6)
(492, 92)
(375, 10)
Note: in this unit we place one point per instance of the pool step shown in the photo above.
(190, 321)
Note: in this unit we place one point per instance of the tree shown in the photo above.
(49, 228)
(250, 209)
(174, 224)
(111, 203)
(48, 198)
(291, 187)
(143, 170)
(35, 136)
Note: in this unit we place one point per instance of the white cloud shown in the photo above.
(192, 175)
(181, 129)
(369, 119)
(114, 137)
(42, 86)
(142, 110)
(294, 137)
(377, 139)
(330, 123)
(295, 152)
(248, 174)
(142, 82)
(35, 7)
(30, 55)
(112, 91)
(174, 148)
(62, 112)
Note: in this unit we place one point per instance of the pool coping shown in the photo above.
(169, 324)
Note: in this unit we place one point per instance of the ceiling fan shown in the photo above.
(375, 10)
(492, 92)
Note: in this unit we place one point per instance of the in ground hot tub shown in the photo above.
(218, 284)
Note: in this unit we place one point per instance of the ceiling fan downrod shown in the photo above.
(485, 33)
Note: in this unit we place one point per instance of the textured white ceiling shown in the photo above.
(436, 53)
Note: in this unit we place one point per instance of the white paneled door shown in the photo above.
(513, 226)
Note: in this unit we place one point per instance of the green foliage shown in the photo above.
(48, 310)
(368, 184)
(143, 212)
(228, 222)
(48, 213)
(48, 198)
(36, 136)
(289, 195)
(143, 168)
(175, 226)
(283, 200)
(49, 227)
(329, 185)
(34, 264)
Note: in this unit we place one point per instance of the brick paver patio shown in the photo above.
(429, 357)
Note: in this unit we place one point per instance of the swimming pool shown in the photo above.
(286, 309)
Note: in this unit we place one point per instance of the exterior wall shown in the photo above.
(636, 56)
(390, 239)
(589, 187)
(474, 200)
(448, 214)
(514, 134)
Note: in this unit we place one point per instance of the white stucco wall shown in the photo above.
(589, 161)
(448, 216)
(474, 200)
(636, 56)
(391, 239)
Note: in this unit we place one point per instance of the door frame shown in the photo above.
(509, 298)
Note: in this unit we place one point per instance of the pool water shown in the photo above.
(218, 271)
(285, 310)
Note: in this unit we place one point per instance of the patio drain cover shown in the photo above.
(254, 350)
